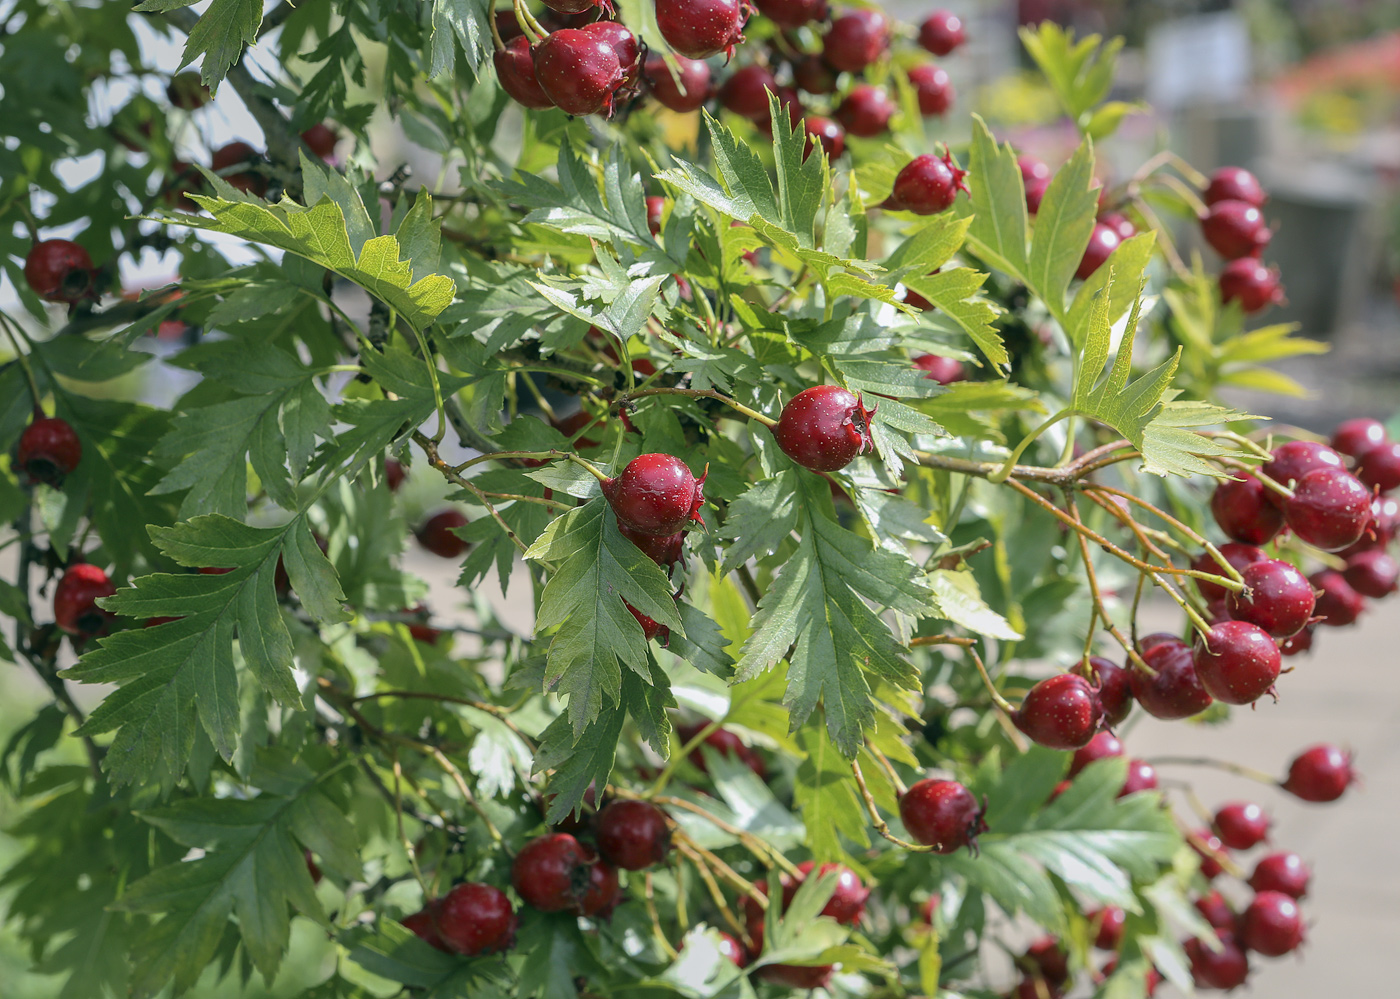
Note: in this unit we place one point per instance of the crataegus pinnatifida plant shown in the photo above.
(786, 469)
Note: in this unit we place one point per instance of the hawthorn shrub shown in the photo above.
(832, 462)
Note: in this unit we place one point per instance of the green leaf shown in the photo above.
(1080, 73)
(613, 211)
(466, 21)
(959, 601)
(760, 520)
(954, 293)
(826, 794)
(998, 202)
(1062, 229)
(222, 32)
(395, 953)
(1130, 262)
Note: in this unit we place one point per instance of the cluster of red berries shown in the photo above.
(846, 906)
(1234, 226)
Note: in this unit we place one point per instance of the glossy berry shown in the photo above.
(688, 93)
(624, 45)
(1224, 970)
(1120, 224)
(943, 370)
(1372, 574)
(515, 68)
(1281, 872)
(1107, 926)
(1210, 849)
(603, 892)
(187, 91)
(942, 814)
(1046, 958)
(932, 87)
(422, 925)
(1114, 684)
(927, 185)
(1244, 511)
(656, 494)
(732, 949)
(1061, 712)
(824, 428)
(650, 628)
(663, 549)
(793, 14)
(826, 133)
(1293, 460)
(1102, 746)
(813, 75)
(632, 835)
(1272, 924)
(249, 181)
(1277, 597)
(701, 28)
(1338, 605)
(75, 599)
(1356, 437)
(942, 32)
(1234, 184)
(856, 39)
(1330, 509)
(1176, 691)
(1251, 283)
(475, 919)
(746, 92)
(1102, 242)
(1241, 556)
(725, 743)
(59, 270)
(1235, 229)
(1032, 168)
(866, 111)
(553, 872)
(847, 902)
(48, 450)
(1216, 911)
(1379, 468)
(320, 138)
(1241, 825)
(578, 71)
(1299, 643)
(1320, 774)
(438, 534)
(1237, 662)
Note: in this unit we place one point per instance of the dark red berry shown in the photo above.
(1241, 556)
(932, 87)
(1372, 574)
(1277, 597)
(1243, 509)
(421, 923)
(1216, 911)
(1251, 283)
(1330, 509)
(847, 902)
(1295, 644)
(866, 111)
(1114, 684)
(1035, 193)
(1338, 605)
(813, 75)
(1102, 242)
(1379, 468)
(603, 892)
(438, 534)
(1061, 712)
(1176, 691)
(663, 549)
(824, 428)
(1237, 662)
(1046, 958)
(797, 976)
(1281, 872)
(793, 14)
(1107, 926)
(1102, 746)
(942, 32)
(1293, 460)
(943, 370)
(732, 949)
(724, 742)
(394, 474)
(187, 91)
(249, 181)
(1320, 774)
(1120, 224)
(942, 814)
(578, 71)
(826, 133)
(650, 627)
(1211, 850)
(930, 907)
(1235, 229)
(624, 45)
(856, 39)
(553, 872)
(656, 494)
(927, 185)
(632, 835)
(59, 270)
(49, 449)
(1241, 825)
(75, 599)
(476, 919)
(1356, 437)
(689, 93)
(320, 138)
(656, 207)
(1225, 969)
(1272, 925)
(1235, 184)
(515, 68)
(701, 28)
(1158, 637)
(1032, 168)
(746, 92)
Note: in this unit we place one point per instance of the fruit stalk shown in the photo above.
(881, 826)
(739, 407)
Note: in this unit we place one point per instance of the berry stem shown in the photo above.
(1129, 647)
(22, 360)
(746, 887)
(1194, 616)
(997, 697)
(888, 767)
(656, 930)
(1205, 761)
(942, 640)
(752, 414)
(769, 856)
(1219, 856)
(664, 776)
(716, 895)
(1184, 191)
(1168, 248)
(881, 826)
(1234, 582)
(429, 447)
(527, 22)
(495, 31)
(500, 713)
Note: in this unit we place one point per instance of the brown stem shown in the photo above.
(881, 826)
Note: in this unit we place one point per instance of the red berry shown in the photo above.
(1225, 969)
(240, 154)
(1281, 872)
(796, 976)
(1356, 437)
(1235, 184)
(1242, 825)
(1114, 685)
(1216, 911)
(633, 835)
(1380, 530)
(394, 474)
(943, 370)
(663, 549)
(1032, 168)
(1107, 925)
(942, 814)
(1158, 637)
(1330, 509)
(1035, 193)
(656, 207)
(1319, 774)
(927, 185)
(930, 907)
(1209, 848)
(856, 39)
(578, 71)
(826, 133)
(1102, 242)
(476, 919)
(1379, 468)
(1244, 510)
(624, 46)
(813, 75)
(942, 32)
(421, 923)
(1031, 987)
(438, 534)
(1102, 746)
(656, 494)
(847, 902)
(724, 742)
(1238, 555)
(1237, 663)
(866, 111)
(1277, 597)
(552, 873)
(1176, 691)
(701, 28)
(1251, 283)
(49, 449)
(746, 92)
(1272, 924)
(59, 270)
(1061, 712)
(1301, 642)
(426, 634)
(732, 949)
(932, 87)
(1372, 574)
(824, 428)
(1293, 460)
(187, 91)
(1046, 959)
(1338, 605)
(689, 93)
(320, 138)
(793, 14)
(1235, 229)
(1120, 224)
(515, 68)
(75, 599)
(603, 892)
(650, 628)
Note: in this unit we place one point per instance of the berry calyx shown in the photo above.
(942, 32)
(1277, 597)
(1234, 184)
(701, 28)
(422, 925)
(240, 154)
(1319, 774)
(75, 599)
(1245, 511)
(1107, 926)
(856, 39)
(824, 132)
(632, 835)
(1356, 437)
(1379, 468)
(49, 449)
(932, 87)
(824, 428)
(866, 111)
(1293, 460)
(1142, 776)
(793, 14)
(943, 370)
(687, 93)
(1210, 849)
(927, 185)
(1272, 924)
(578, 71)
(59, 270)
(552, 873)
(1102, 746)
(942, 814)
(1251, 283)
(515, 68)
(746, 92)
(1225, 969)
(474, 919)
(1176, 691)
(1330, 509)
(1242, 825)
(1235, 229)
(1237, 662)
(1102, 242)
(1338, 605)
(1372, 573)
(656, 494)
(1061, 712)
(438, 534)
(1282, 872)
(1114, 686)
